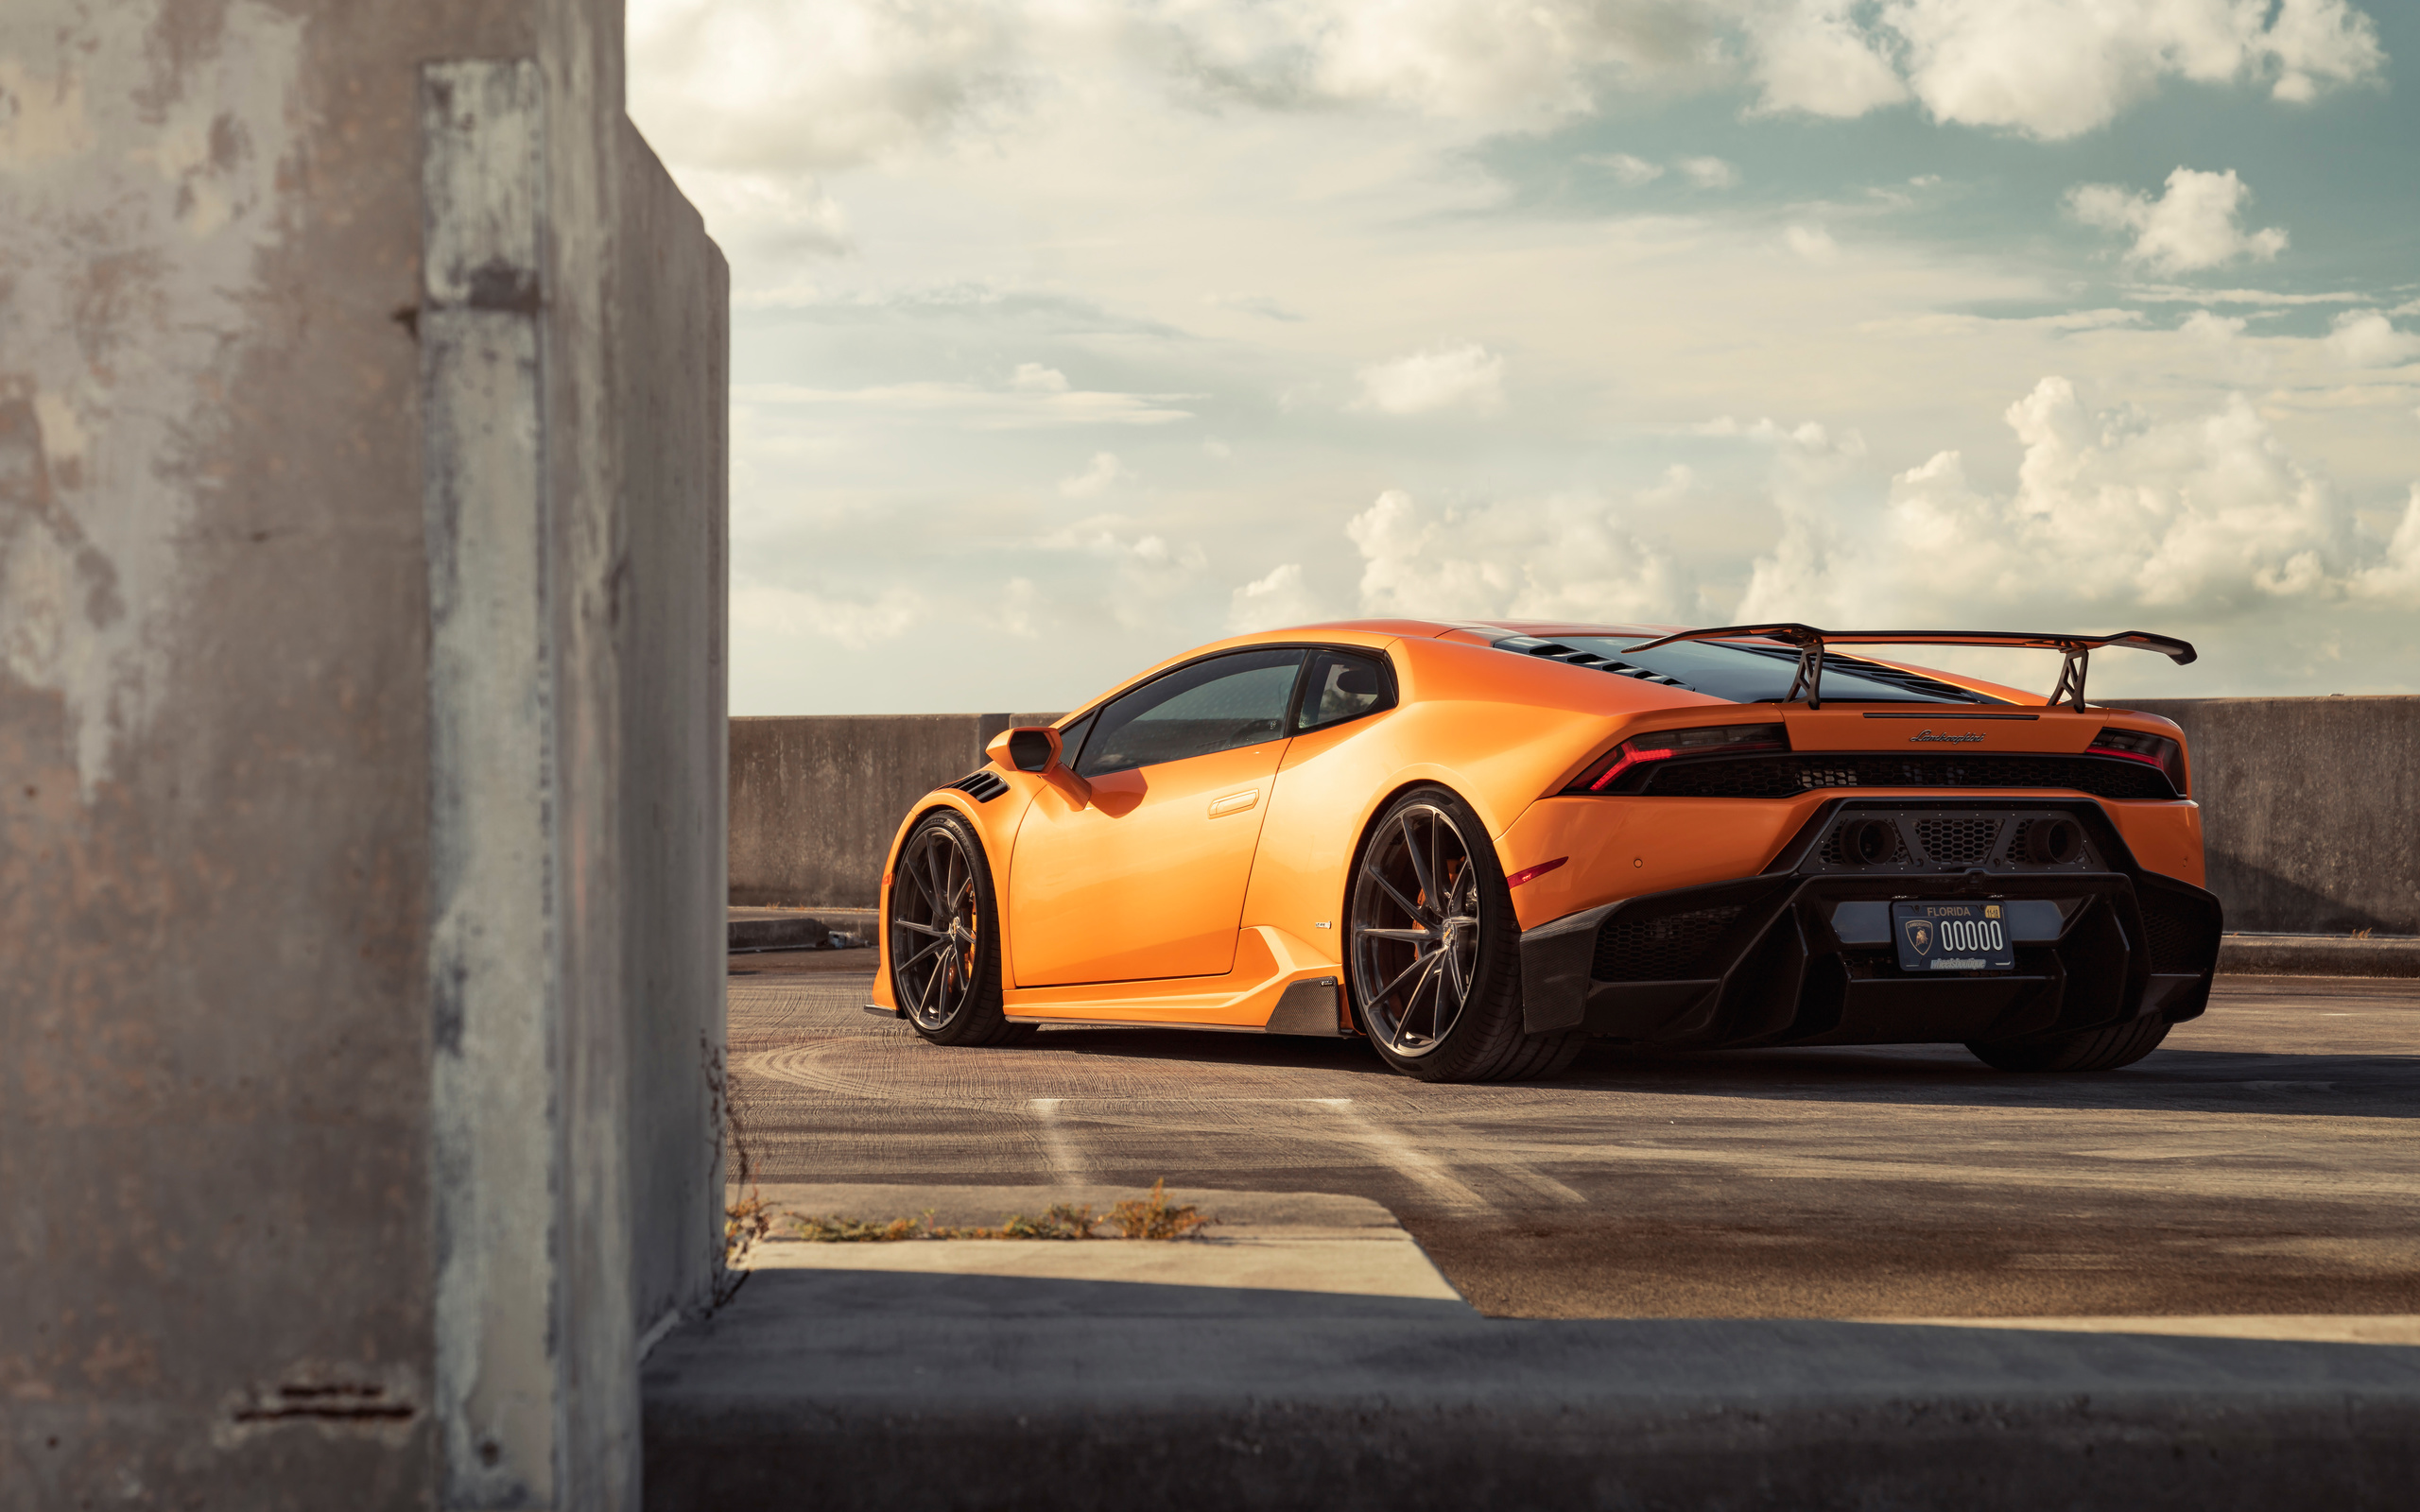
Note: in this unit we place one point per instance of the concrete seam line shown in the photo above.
(493, 988)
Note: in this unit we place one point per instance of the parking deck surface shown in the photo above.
(2262, 1161)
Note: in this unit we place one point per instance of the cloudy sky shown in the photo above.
(1070, 334)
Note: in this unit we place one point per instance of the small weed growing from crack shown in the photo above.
(1136, 1218)
(1152, 1218)
(745, 1223)
(750, 1219)
(1061, 1222)
(839, 1230)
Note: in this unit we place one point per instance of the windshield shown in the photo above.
(1754, 674)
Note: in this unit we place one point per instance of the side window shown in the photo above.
(1342, 685)
(1227, 701)
(1071, 738)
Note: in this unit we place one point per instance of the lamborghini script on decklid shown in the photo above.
(1480, 845)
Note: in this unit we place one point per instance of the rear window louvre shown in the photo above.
(1557, 651)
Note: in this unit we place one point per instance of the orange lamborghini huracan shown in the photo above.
(1481, 844)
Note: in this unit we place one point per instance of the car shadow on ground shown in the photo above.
(2324, 1084)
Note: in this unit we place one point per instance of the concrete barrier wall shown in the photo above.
(361, 590)
(2308, 804)
(674, 374)
(2307, 809)
(815, 802)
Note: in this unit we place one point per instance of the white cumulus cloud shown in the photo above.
(2396, 579)
(752, 87)
(1104, 470)
(757, 86)
(784, 615)
(1812, 243)
(1463, 377)
(1813, 57)
(1145, 570)
(2366, 338)
(2195, 223)
(1709, 173)
(1468, 59)
(1562, 557)
(1270, 602)
(2221, 336)
(2201, 519)
(2058, 68)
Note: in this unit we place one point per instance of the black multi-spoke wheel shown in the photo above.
(1436, 963)
(944, 953)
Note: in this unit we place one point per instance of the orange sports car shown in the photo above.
(1481, 844)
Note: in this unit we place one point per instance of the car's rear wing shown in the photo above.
(2076, 649)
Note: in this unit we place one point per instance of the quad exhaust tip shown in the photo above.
(2053, 842)
(1871, 841)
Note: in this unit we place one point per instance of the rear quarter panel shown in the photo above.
(1495, 728)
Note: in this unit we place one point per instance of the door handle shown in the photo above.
(1234, 802)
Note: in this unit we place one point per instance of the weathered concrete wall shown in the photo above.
(815, 802)
(214, 856)
(578, 709)
(235, 760)
(2311, 809)
(2308, 804)
(672, 360)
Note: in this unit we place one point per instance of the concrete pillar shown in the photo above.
(362, 754)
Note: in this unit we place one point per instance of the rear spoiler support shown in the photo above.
(2074, 663)
(1809, 678)
(2075, 650)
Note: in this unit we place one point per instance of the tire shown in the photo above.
(1434, 951)
(944, 956)
(2096, 1050)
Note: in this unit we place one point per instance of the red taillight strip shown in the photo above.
(1640, 749)
(2166, 756)
(1533, 873)
(1625, 761)
(2153, 762)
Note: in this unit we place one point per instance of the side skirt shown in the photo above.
(1278, 985)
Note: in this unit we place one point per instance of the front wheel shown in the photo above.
(2095, 1050)
(945, 936)
(1436, 952)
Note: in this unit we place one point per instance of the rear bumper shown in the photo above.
(1775, 959)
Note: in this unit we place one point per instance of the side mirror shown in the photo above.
(1036, 748)
(1028, 748)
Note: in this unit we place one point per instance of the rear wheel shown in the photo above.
(2096, 1050)
(1436, 956)
(945, 937)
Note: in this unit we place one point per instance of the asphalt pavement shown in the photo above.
(2259, 1163)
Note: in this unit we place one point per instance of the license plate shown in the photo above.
(1952, 937)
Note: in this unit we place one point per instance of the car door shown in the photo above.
(1147, 880)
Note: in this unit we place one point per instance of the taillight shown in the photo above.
(1623, 761)
(2141, 745)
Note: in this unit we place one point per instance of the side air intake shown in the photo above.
(981, 786)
